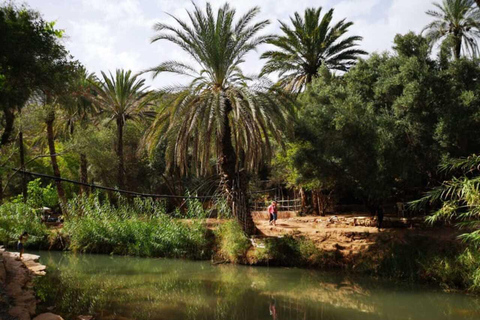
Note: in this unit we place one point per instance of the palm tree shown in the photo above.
(313, 42)
(218, 115)
(457, 199)
(457, 21)
(121, 97)
(50, 107)
(78, 108)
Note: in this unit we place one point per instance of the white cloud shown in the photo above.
(110, 34)
(354, 8)
(401, 17)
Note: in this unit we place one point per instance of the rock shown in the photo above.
(85, 317)
(48, 316)
(18, 283)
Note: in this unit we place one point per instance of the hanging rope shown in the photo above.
(133, 193)
(94, 186)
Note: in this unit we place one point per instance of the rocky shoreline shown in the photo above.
(17, 296)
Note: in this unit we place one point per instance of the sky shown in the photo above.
(108, 34)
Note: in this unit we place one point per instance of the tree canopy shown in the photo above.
(381, 130)
(31, 58)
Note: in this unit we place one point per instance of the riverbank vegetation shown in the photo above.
(340, 126)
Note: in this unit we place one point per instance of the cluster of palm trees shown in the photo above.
(222, 115)
(223, 120)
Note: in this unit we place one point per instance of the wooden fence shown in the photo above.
(288, 204)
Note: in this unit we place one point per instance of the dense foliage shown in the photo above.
(31, 57)
(380, 131)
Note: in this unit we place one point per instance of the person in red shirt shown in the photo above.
(272, 212)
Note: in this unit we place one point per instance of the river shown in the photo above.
(116, 287)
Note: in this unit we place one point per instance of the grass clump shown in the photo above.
(457, 271)
(419, 259)
(232, 241)
(139, 228)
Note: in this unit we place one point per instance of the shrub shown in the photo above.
(17, 217)
(232, 241)
(38, 196)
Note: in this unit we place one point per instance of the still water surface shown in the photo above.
(142, 288)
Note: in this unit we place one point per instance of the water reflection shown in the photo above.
(137, 288)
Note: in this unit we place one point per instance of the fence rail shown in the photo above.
(283, 205)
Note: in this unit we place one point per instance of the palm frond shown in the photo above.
(312, 42)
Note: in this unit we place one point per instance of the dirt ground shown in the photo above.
(348, 233)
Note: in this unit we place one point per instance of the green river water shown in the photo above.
(117, 287)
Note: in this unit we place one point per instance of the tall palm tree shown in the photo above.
(218, 115)
(78, 107)
(121, 97)
(50, 106)
(457, 21)
(311, 43)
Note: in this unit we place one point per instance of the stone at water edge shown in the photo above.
(48, 316)
(26, 256)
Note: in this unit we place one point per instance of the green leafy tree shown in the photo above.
(30, 56)
(313, 42)
(379, 131)
(30, 49)
(218, 115)
(122, 97)
(457, 22)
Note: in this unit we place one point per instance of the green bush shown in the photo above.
(38, 196)
(232, 241)
(17, 217)
(140, 228)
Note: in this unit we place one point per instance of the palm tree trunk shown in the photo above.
(303, 198)
(1, 187)
(315, 200)
(83, 173)
(22, 165)
(458, 46)
(53, 157)
(9, 121)
(234, 184)
(121, 165)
